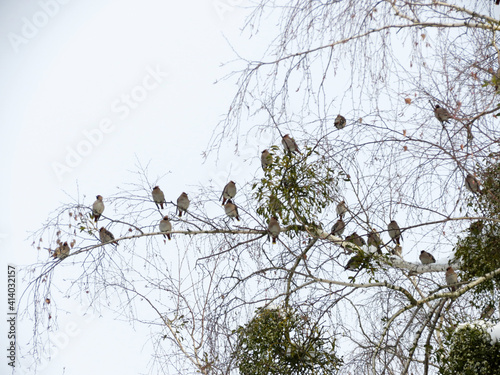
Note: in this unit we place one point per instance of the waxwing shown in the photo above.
(451, 278)
(289, 144)
(374, 240)
(274, 228)
(472, 184)
(229, 192)
(442, 114)
(62, 251)
(106, 236)
(266, 159)
(354, 263)
(341, 209)
(394, 232)
(166, 227)
(97, 208)
(231, 210)
(339, 122)
(182, 203)
(426, 258)
(338, 228)
(158, 197)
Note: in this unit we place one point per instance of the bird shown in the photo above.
(338, 228)
(394, 232)
(158, 197)
(106, 236)
(166, 227)
(339, 122)
(451, 278)
(182, 203)
(289, 144)
(274, 228)
(354, 263)
(231, 210)
(398, 250)
(266, 159)
(472, 184)
(356, 239)
(229, 192)
(426, 258)
(341, 209)
(97, 208)
(374, 240)
(442, 114)
(62, 251)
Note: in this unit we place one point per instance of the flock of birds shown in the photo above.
(274, 229)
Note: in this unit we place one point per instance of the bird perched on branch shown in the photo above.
(398, 250)
(442, 114)
(274, 228)
(289, 144)
(229, 192)
(451, 278)
(340, 122)
(97, 208)
(106, 236)
(158, 197)
(374, 240)
(266, 159)
(166, 227)
(394, 232)
(356, 239)
(354, 263)
(62, 251)
(426, 258)
(472, 184)
(338, 228)
(182, 203)
(231, 210)
(341, 209)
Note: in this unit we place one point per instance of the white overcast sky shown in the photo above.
(139, 73)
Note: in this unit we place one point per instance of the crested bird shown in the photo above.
(340, 122)
(472, 184)
(356, 239)
(289, 144)
(341, 209)
(182, 203)
(274, 228)
(229, 192)
(394, 232)
(106, 236)
(451, 278)
(354, 263)
(442, 114)
(97, 208)
(62, 251)
(338, 228)
(158, 197)
(231, 210)
(166, 227)
(374, 240)
(426, 258)
(266, 159)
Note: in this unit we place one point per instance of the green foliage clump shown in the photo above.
(296, 187)
(281, 341)
(471, 352)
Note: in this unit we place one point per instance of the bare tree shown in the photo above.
(386, 66)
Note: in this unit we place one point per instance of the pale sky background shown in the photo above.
(64, 77)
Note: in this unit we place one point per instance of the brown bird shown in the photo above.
(339, 122)
(394, 232)
(442, 114)
(229, 192)
(472, 184)
(166, 227)
(106, 236)
(266, 159)
(62, 251)
(289, 144)
(341, 209)
(354, 263)
(182, 203)
(398, 250)
(356, 239)
(338, 228)
(97, 208)
(231, 210)
(158, 197)
(427, 258)
(451, 278)
(374, 240)
(487, 312)
(274, 228)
